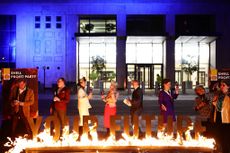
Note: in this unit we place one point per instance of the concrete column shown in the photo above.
(170, 48)
(71, 55)
(121, 55)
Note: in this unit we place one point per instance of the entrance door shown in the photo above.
(146, 73)
(143, 74)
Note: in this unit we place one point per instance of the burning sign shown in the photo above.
(54, 138)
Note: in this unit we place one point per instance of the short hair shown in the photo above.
(82, 79)
(135, 81)
(21, 80)
(165, 81)
(61, 78)
(199, 87)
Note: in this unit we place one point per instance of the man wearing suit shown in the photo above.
(136, 103)
(21, 98)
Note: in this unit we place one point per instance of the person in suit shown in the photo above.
(136, 103)
(21, 98)
(60, 100)
(83, 102)
(166, 102)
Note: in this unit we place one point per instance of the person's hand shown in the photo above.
(163, 107)
(16, 102)
(177, 89)
(90, 95)
(127, 102)
(214, 103)
(56, 99)
(21, 104)
(51, 111)
(102, 96)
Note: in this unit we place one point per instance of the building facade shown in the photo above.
(134, 39)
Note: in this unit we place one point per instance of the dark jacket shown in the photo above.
(137, 101)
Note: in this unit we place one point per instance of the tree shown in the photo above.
(98, 64)
(189, 66)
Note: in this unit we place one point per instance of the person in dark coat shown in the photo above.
(136, 103)
(166, 102)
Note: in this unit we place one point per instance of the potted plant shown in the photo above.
(98, 64)
(189, 66)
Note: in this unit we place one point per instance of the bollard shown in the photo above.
(101, 86)
(183, 87)
(88, 86)
(143, 86)
(129, 87)
(157, 88)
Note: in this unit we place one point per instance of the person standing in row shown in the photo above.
(202, 103)
(166, 102)
(60, 100)
(221, 103)
(110, 105)
(21, 98)
(136, 103)
(83, 102)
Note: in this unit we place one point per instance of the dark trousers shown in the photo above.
(61, 115)
(135, 112)
(20, 118)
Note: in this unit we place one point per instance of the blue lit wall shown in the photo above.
(56, 47)
(7, 40)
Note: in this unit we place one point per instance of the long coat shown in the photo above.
(29, 100)
(167, 99)
(83, 104)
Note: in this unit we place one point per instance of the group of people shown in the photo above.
(214, 106)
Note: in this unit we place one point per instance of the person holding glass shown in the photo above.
(83, 102)
(110, 105)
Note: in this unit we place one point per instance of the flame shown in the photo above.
(44, 139)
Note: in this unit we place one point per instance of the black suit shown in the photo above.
(137, 103)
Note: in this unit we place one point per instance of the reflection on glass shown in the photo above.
(195, 54)
(102, 49)
(144, 50)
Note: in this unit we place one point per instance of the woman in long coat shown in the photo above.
(166, 102)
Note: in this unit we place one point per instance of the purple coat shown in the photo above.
(168, 102)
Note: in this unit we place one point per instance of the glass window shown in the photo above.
(48, 18)
(98, 25)
(131, 53)
(58, 25)
(144, 53)
(48, 25)
(190, 53)
(37, 18)
(144, 50)
(58, 18)
(92, 52)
